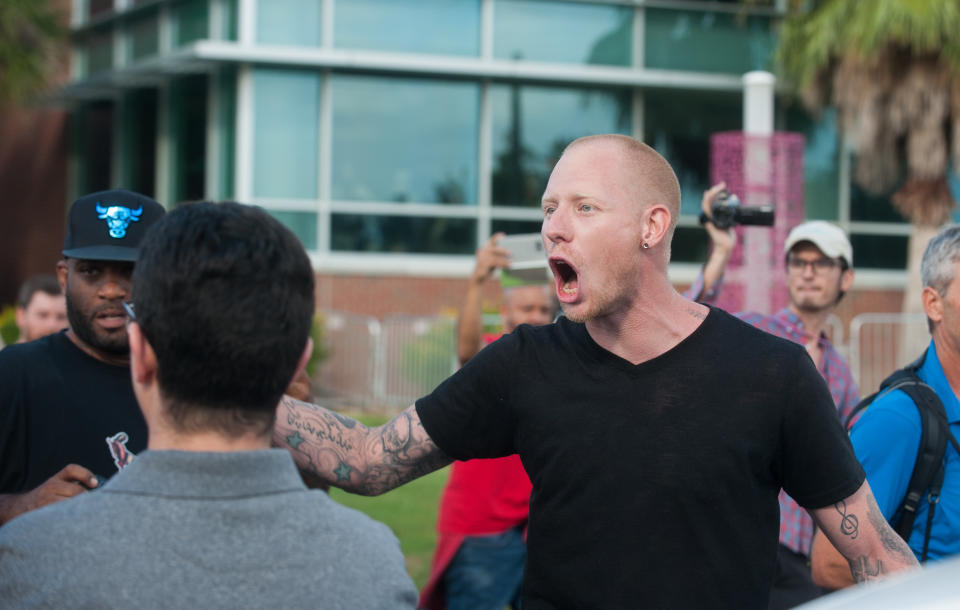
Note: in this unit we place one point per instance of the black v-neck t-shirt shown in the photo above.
(654, 485)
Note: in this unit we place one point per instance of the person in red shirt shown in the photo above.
(478, 562)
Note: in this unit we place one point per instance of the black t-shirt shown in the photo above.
(654, 485)
(58, 406)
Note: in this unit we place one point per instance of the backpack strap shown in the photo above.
(892, 382)
(928, 470)
(933, 445)
(933, 498)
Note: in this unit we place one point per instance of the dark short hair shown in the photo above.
(224, 294)
(43, 282)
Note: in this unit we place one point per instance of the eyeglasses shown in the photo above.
(128, 307)
(819, 265)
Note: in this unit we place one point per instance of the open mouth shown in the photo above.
(567, 279)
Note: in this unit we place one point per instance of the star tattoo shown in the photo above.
(343, 472)
(295, 439)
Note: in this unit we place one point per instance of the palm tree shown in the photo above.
(891, 68)
(31, 37)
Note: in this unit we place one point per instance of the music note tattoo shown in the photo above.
(849, 524)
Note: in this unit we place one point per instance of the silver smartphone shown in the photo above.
(528, 261)
(526, 250)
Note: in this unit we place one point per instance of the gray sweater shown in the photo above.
(180, 529)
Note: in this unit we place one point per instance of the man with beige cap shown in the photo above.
(819, 263)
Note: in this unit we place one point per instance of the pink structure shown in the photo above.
(761, 170)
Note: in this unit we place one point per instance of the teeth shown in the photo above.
(568, 288)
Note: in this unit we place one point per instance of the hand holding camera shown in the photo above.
(726, 211)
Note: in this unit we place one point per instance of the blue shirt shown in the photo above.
(886, 440)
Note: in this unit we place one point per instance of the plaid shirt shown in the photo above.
(796, 526)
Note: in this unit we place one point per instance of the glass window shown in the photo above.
(140, 141)
(404, 139)
(873, 207)
(144, 35)
(562, 31)
(192, 21)
(303, 225)
(99, 50)
(230, 19)
(678, 124)
(93, 145)
(423, 26)
(188, 123)
(227, 81)
(879, 251)
(290, 22)
(515, 226)
(689, 245)
(707, 41)
(531, 126)
(286, 115)
(821, 161)
(403, 234)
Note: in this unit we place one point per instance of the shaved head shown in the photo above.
(650, 176)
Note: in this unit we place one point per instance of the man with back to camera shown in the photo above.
(478, 561)
(657, 432)
(886, 438)
(67, 409)
(819, 266)
(209, 516)
(41, 308)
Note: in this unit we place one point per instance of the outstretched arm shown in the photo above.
(862, 542)
(346, 454)
(470, 324)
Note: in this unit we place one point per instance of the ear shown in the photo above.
(656, 224)
(304, 357)
(143, 360)
(932, 304)
(62, 269)
(846, 280)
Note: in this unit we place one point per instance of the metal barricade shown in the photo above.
(346, 376)
(883, 342)
(383, 364)
(414, 354)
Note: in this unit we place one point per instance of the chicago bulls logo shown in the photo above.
(122, 457)
(118, 218)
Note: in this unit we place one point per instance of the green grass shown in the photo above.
(410, 511)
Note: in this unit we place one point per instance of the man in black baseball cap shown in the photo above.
(67, 399)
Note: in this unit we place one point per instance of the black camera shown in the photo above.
(727, 212)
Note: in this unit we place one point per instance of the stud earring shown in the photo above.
(645, 245)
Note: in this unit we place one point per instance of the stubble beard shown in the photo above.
(82, 326)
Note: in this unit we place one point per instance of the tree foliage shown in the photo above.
(31, 36)
(892, 70)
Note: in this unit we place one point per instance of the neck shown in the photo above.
(948, 353)
(655, 323)
(115, 359)
(166, 439)
(813, 321)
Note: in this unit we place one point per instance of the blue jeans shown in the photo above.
(486, 572)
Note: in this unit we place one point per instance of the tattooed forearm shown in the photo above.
(889, 538)
(864, 569)
(352, 456)
(849, 523)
